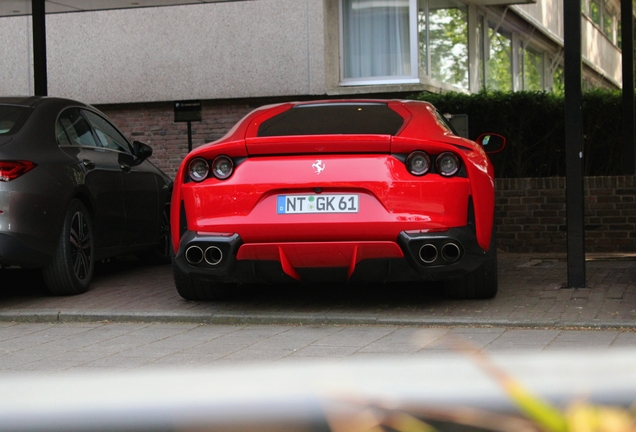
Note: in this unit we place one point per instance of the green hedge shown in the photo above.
(534, 124)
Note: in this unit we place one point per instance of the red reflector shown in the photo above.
(11, 170)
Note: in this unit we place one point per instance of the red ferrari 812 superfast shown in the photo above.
(346, 190)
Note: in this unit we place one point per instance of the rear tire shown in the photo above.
(194, 289)
(71, 270)
(480, 284)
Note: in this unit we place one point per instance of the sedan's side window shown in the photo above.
(109, 137)
(78, 130)
(62, 138)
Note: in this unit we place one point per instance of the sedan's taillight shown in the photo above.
(11, 170)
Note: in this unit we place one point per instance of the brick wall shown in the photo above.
(154, 124)
(530, 213)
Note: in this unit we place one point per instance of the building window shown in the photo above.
(558, 80)
(399, 41)
(532, 70)
(377, 42)
(603, 15)
(608, 24)
(595, 12)
(498, 61)
(443, 41)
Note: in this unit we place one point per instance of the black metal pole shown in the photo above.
(574, 144)
(189, 137)
(627, 40)
(38, 13)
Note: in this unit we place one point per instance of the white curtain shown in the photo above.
(376, 38)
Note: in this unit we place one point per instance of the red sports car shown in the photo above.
(348, 190)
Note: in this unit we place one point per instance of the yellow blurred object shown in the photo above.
(582, 417)
(578, 417)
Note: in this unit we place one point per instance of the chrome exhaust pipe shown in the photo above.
(194, 255)
(450, 252)
(213, 255)
(428, 253)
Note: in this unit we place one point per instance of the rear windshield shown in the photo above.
(335, 118)
(12, 118)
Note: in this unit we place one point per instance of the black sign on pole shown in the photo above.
(187, 111)
(574, 145)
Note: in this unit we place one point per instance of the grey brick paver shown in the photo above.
(118, 361)
(624, 340)
(325, 351)
(398, 342)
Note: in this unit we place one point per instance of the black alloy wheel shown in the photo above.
(71, 270)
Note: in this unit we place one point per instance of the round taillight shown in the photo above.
(418, 163)
(447, 164)
(198, 169)
(222, 167)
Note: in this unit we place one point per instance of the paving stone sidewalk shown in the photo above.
(531, 294)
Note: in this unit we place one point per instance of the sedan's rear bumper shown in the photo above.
(413, 256)
(16, 253)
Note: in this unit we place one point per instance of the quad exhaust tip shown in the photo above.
(213, 255)
(428, 253)
(449, 253)
(195, 255)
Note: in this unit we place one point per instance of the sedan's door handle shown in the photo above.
(125, 167)
(88, 163)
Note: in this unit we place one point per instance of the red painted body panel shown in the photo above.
(391, 199)
(318, 144)
(324, 254)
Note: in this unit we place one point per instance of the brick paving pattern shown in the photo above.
(531, 294)
(120, 347)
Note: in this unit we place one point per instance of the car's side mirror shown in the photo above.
(141, 151)
(492, 142)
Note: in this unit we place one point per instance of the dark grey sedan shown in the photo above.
(74, 190)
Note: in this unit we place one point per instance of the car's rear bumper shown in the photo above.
(13, 252)
(412, 256)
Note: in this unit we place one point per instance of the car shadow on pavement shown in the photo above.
(338, 294)
(17, 282)
(130, 277)
(21, 283)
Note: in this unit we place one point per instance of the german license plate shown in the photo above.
(323, 203)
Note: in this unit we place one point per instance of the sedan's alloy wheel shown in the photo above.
(80, 246)
(71, 270)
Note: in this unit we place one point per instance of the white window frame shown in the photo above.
(413, 78)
